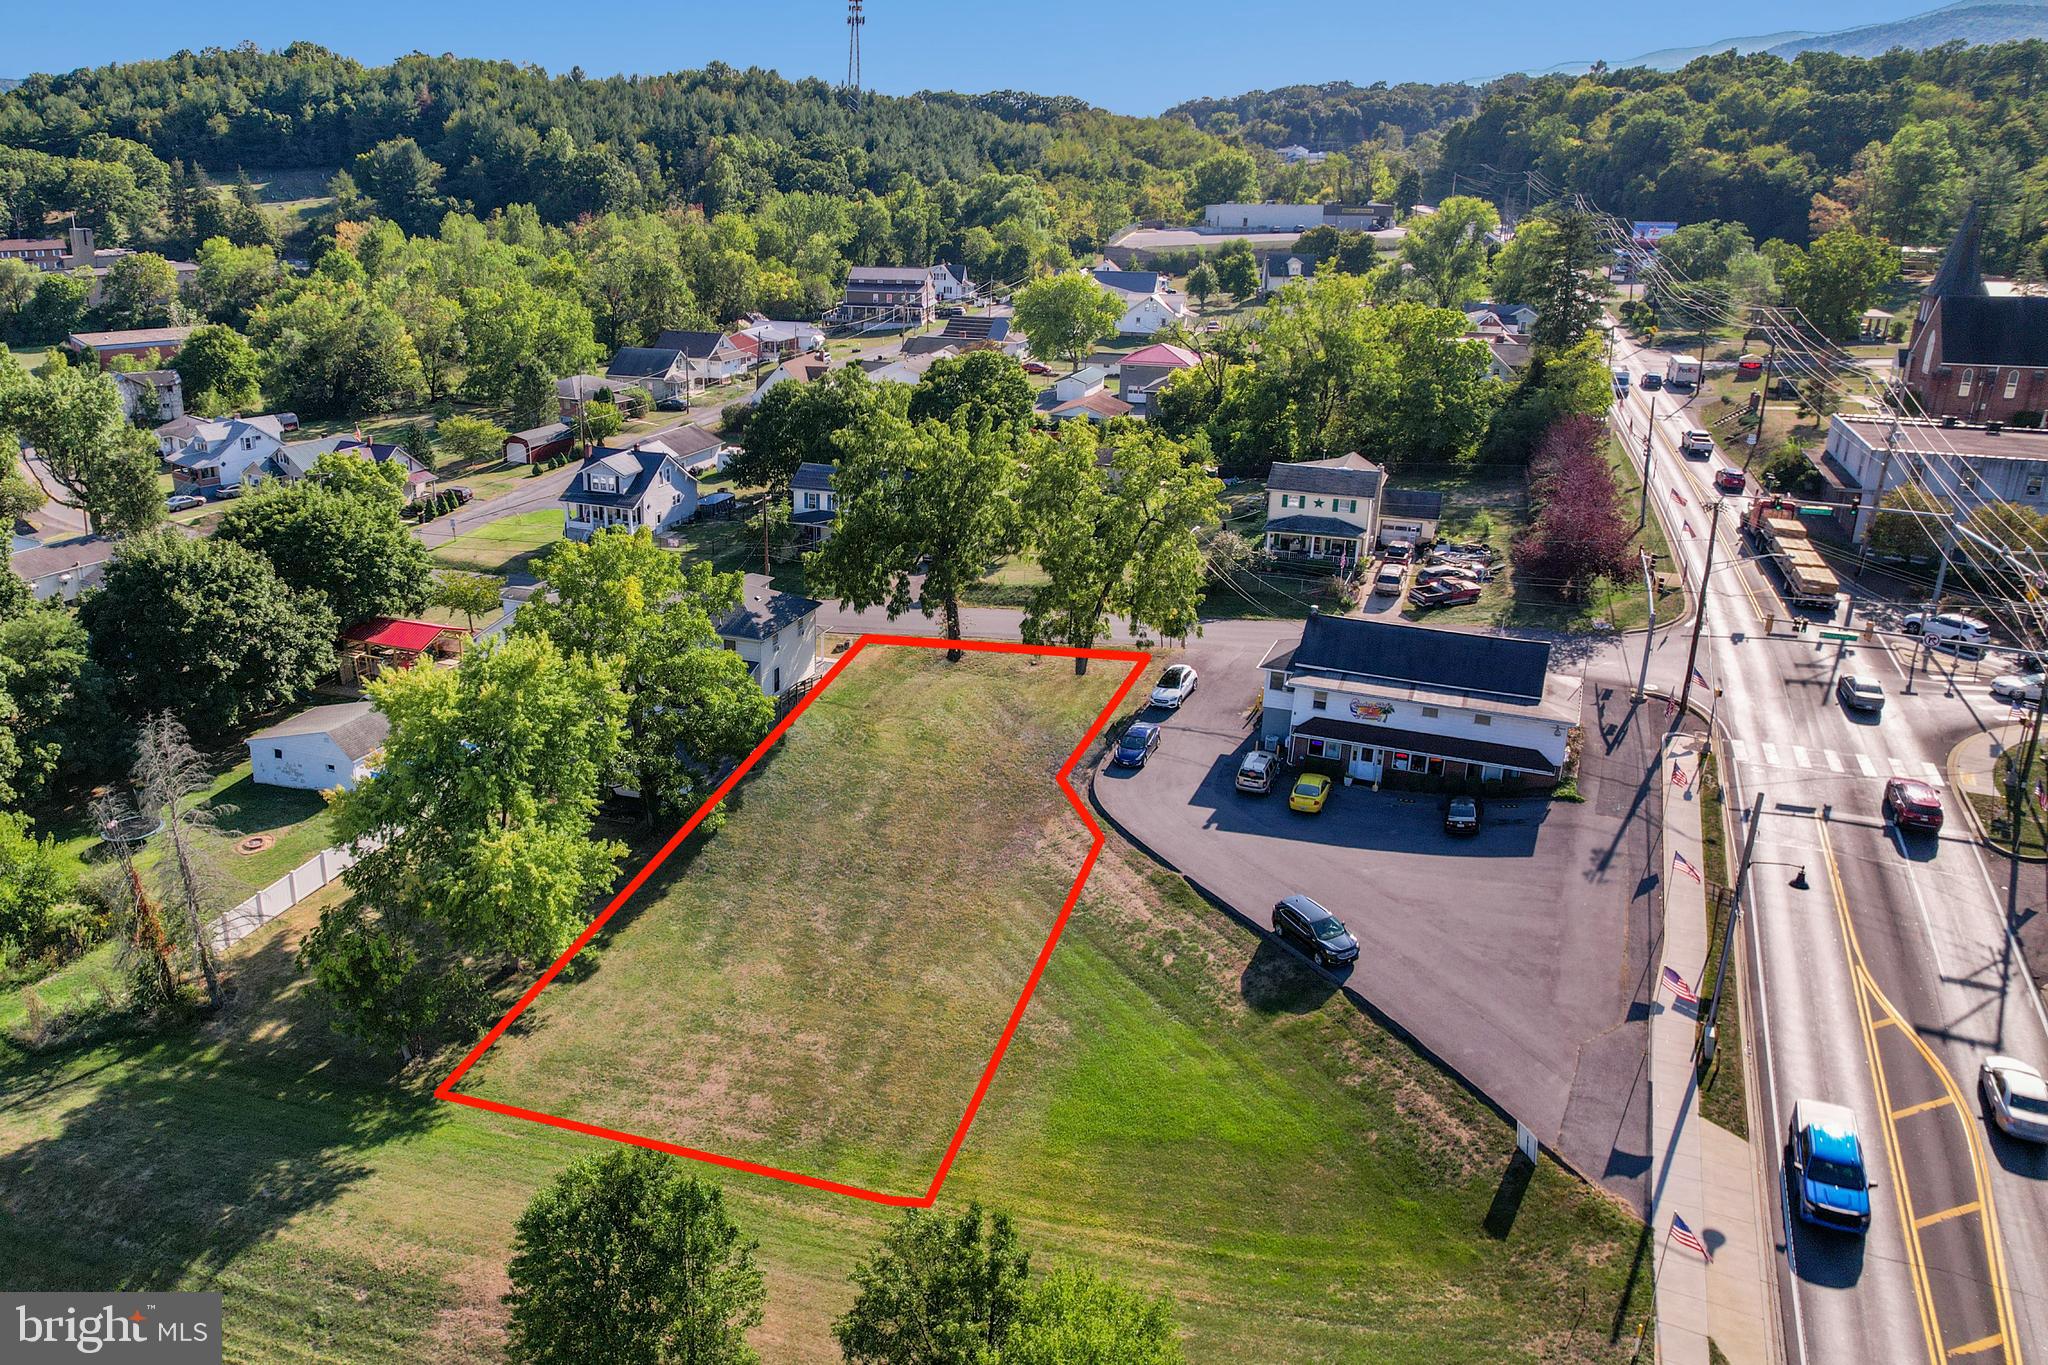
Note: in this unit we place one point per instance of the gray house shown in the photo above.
(628, 489)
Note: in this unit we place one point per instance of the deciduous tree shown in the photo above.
(1115, 540)
(205, 630)
(980, 387)
(220, 371)
(1062, 315)
(629, 1259)
(72, 417)
(1447, 249)
(925, 498)
(938, 1291)
(1076, 1317)
(351, 548)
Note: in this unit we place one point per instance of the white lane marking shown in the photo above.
(1799, 756)
(1738, 750)
(1770, 753)
(1933, 773)
(1834, 759)
(1869, 768)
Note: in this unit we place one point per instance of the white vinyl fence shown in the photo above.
(280, 896)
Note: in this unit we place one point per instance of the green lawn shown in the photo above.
(1184, 1105)
(1722, 1085)
(505, 546)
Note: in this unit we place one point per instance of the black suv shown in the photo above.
(1315, 931)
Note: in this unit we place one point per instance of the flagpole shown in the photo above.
(1663, 1249)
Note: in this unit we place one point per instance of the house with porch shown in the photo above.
(812, 503)
(628, 490)
(294, 460)
(206, 457)
(1324, 510)
(1419, 706)
(374, 647)
(777, 633)
(710, 356)
(887, 295)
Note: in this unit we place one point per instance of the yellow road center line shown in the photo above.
(1970, 1348)
(1912, 1109)
(1974, 1206)
(1923, 1293)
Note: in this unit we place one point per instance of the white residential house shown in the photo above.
(812, 503)
(1082, 382)
(1147, 316)
(294, 460)
(320, 748)
(208, 456)
(711, 356)
(628, 489)
(156, 396)
(950, 284)
(703, 452)
(777, 633)
(800, 369)
(1324, 509)
(1280, 271)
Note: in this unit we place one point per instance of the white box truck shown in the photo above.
(1682, 374)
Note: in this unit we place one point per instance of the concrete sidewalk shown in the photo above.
(1700, 1173)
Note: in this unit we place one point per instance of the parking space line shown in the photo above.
(1974, 1206)
(1970, 1348)
(1738, 750)
(1834, 759)
(1770, 753)
(1869, 768)
(1921, 1108)
(1800, 757)
(1933, 773)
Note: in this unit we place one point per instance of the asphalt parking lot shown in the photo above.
(1519, 956)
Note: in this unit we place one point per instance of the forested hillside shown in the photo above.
(1892, 144)
(1338, 114)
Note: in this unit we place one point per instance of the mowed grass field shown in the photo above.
(1185, 1105)
(858, 933)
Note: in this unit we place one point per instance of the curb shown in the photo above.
(1948, 768)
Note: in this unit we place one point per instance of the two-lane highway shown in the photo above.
(1885, 975)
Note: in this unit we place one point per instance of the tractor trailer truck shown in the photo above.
(1779, 535)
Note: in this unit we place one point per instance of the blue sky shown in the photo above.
(1137, 59)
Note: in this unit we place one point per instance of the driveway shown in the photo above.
(1518, 957)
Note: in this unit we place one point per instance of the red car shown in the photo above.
(1912, 804)
(1731, 480)
(1033, 367)
(1447, 592)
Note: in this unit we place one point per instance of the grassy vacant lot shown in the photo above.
(505, 546)
(1185, 1106)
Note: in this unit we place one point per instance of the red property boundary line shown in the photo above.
(1137, 659)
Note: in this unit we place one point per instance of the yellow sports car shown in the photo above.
(1311, 790)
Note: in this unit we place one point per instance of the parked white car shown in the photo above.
(2015, 1098)
(1175, 686)
(2017, 687)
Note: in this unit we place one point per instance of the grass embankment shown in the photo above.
(1185, 1106)
(502, 547)
(1999, 814)
(1722, 1084)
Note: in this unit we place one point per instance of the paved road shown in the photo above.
(1884, 982)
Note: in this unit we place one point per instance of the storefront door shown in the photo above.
(1363, 764)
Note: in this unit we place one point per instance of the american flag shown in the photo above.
(1686, 1237)
(1685, 866)
(1677, 776)
(1679, 988)
(1680, 497)
(1688, 528)
(1699, 678)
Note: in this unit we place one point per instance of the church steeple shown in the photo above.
(1961, 274)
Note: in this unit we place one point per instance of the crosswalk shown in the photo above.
(1762, 753)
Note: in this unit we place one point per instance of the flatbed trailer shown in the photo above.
(1804, 577)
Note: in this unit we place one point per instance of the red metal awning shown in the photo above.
(414, 637)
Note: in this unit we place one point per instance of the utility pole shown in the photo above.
(1948, 545)
(1699, 608)
(1649, 453)
(1649, 631)
(1756, 818)
(1763, 407)
(1884, 469)
(2016, 799)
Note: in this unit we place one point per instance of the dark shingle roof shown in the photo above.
(1425, 656)
(695, 345)
(640, 362)
(2003, 329)
(812, 478)
(1413, 502)
(1960, 275)
(1130, 281)
(635, 469)
(761, 613)
(1314, 526)
(1415, 741)
(1352, 475)
(977, 329)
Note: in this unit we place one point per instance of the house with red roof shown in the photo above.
(1148, 367)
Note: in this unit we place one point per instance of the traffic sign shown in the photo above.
(1816, 511)
(1845, 636)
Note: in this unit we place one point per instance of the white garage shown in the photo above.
(319, 748)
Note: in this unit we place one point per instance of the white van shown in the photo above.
(1951, 632)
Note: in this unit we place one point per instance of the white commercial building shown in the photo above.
(1377, 701)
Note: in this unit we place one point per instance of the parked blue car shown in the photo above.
(1136, 746)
